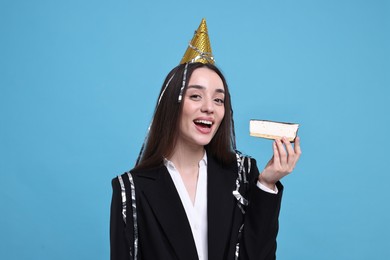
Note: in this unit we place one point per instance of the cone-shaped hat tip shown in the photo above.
(199, 49)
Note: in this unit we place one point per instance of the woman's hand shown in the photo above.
(282, 162)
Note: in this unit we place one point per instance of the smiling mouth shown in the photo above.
(203, 123)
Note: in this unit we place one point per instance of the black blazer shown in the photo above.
(163, 228)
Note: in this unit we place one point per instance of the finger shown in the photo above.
(291, 153)
(282, 152)
(297, 147)
(291, 158)
(276, 157)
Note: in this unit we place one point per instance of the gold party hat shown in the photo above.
(199, 49)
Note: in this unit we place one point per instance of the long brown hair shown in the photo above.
(164, 129)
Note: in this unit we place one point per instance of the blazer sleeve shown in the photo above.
(261, 221)
(119, 245)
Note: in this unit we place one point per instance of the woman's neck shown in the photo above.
(184, 156)
(186, 160)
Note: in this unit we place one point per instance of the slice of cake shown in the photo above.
(273, 130)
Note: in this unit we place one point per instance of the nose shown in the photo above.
(207, 106)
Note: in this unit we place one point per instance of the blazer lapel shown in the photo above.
(220, 207)
(165, 202)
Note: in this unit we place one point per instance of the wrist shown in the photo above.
(269, 185)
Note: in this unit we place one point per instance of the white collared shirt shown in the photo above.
(197, 212)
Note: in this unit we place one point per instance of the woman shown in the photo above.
(191, 196)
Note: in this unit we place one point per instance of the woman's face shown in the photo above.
(203, 108)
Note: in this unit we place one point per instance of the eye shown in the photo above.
(219, 101)
(195, 97)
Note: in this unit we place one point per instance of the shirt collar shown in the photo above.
(170, 164)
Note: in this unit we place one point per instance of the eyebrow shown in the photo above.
(218, 90)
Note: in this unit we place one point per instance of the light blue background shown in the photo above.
(78, 84)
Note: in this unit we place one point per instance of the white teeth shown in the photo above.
(204, 122)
